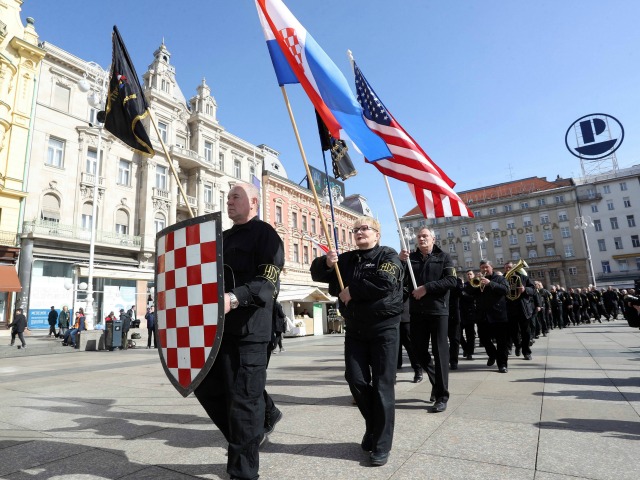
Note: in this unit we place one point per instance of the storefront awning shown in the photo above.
(9, 281)
(303, 294)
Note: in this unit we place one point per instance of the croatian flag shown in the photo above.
(297, 58)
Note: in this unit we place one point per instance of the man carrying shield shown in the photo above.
(231, 393)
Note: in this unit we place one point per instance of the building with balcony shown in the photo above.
(20, 59)
(610, 205)
(532, 219)
(136, 197)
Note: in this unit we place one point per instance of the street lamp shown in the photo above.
(409, 235)
(480, 238)
(583, 223)
(94, 83)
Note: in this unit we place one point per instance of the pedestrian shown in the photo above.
(126, 325)
(490, 294)
(18, 327)
(520, 308)
(63, 321)
(53, 319)
(371, 303)
(232, 391)
(151, 327)
(279, 327)
(435, 276)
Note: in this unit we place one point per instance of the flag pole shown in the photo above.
(329, 193)
(173, 169)
(313, 188)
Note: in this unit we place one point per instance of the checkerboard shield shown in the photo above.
(189, 299)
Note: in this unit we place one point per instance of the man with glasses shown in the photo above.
(371, 303)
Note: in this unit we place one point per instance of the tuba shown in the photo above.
(514, 280)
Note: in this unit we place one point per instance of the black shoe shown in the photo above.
(491, 362)
(440, 406)
(272, 418)
(503, 370)
(367, 442)
(453, 366)
(379, 459)
(528, 357)
(469, 357)
(517, 351)
(432, 398)
(417, 378)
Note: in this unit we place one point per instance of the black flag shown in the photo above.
(342, 165)
(126, 105)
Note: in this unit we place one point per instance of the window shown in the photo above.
(221, 161)
(208, 151)
(524, 205)
(610, 205)
(313, 225)
(92, 161)
(124, 173)
(499, 261)
(304, 224)
(452, 248)
(606, 267)
(602, 245)
(314, 251)
(515, 255)
(181, 141)
(513, 239)
(305, 254)
(544, 219)
(547, 235)
(162, 128)
(122, 222)
(278, 214)
(464, 231)
(511, 224)
(50, 211)
(530, 238)
(573, 271)
(553, 273)
(497, 242)
(527, 222)
(635, 241)
(550, 251)
(507, 208)
(541, 202)
(55, 152)
(437, 236)
(594, 208)
(493, 211)
(627, 202)
(93, 116)
(449, 234)
(294, 220)
(296, 253)
(559, 198)
(562, 217)
(252, 171)
(477, 213)
(237, 169)
(533, 254)
(623, 186)
(208, 193)
(637, 266)
(631, 220)
(469, 263)
(623, 265)
(495, 227)
(61, 96)
(344, 236)
(598, 225)
(568, 251)
(159, 222)
(566, 232)
(606, 189)
(223, 201)
(614, 223)
(617, 241)
(466, 246)
(87, 215)
(161, 177)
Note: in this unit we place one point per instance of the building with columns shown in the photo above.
(20, 58)
(137, 196)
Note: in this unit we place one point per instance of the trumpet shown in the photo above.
(476, 282)
(514, 280)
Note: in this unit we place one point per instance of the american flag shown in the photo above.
(430, 186)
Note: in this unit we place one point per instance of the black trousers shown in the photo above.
(500, 332)
(151, 332)
(370, 370)
(453, 332)
(434, 329)
(232, 396)
(269, 406)
(20, 336)
(468, 338)
(556, 314)
(405, 341)
(52, 330)
(520, 329)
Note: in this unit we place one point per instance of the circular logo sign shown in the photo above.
(594, 136)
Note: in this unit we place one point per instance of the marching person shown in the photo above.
(232, 391)
(467, 319)
(405, 341)
(371, 304)
(429, 307)
(492, 314)
(520, 309)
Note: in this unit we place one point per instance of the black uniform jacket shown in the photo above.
(374, 278)
(491, 301)
(438, 274)
(19, 322)
(524, 304)
(253, 256)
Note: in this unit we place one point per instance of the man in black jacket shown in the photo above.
(435, 276)
(492, 315)
(232, 392)
(520, 310)
(467, 319)
(52, 319)
(17, 328)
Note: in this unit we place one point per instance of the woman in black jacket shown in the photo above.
(371, 303)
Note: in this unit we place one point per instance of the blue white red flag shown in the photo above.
(430, 186)
(297, 58)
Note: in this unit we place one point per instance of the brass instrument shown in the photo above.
(476, 282)
(514, 280)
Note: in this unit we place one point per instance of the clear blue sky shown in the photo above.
(487, 87)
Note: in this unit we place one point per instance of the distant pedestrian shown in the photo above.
(53, 319)
(63, 321)
(151, 327)
(17, 327)
(79, 326)
(126, 324)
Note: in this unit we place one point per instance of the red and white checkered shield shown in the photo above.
(189, 299)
